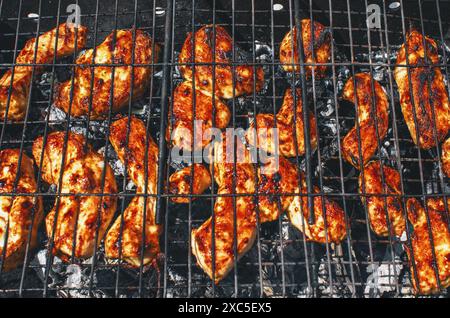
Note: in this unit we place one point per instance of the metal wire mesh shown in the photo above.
(282, 261)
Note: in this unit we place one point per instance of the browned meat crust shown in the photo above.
(180, 182)
(377, 205)
(18, 212)
(321, 45)
(367, 119)
(224, 72)
(428, 91)
(124, 239)
(244, 183)
(275, 178)
(101, 97)
(298, 212)
(82, 173)
(285, 125)
(182, 117)
(68, 38)
(421, 246)
(276, 188)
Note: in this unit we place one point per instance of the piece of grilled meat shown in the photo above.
(369, 116)
(380, 207)
(224, 71)
(277, 178)
(181, 133)
(445, 157)
(245, 227)
(129, 81)
(277, 185)
(321, 46)
(428, 91)
(79, 214)
(335, 229)
(285, 123)
(124, 239)
(421, 245)
(18, 213)
(65, 39)
(180, 182)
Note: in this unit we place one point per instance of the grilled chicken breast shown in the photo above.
(319, 44)
(277, 185)
(428, 95)
(181, 132)
(56, 43)
(225, 74)
(124, 239)
(81, 211)
(426, 282)
(245, 227)
(129, 81)
(277, 178)
(370, 117)
(19, 213)
(335, 229)
(445, 157)
(180, 182)
(380, 207)
(286, 124)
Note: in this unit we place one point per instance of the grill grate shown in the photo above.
(281, 262)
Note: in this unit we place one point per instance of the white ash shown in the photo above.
(285, 229)
(158, 74)
(179, 280)
(54, 114)
(332, 125)
(330, 107)
(44, 84)
(385, 276)
(340, 286)
(77, 283)
(57, 119)
(40, 262)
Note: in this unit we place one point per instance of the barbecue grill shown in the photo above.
(282, 262)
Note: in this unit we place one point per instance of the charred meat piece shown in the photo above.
(422, 250)
(56, 43)
(242, 76)
(286, 125)
(124, 239)
(380, 207)
(244, 186)
(319, 44)
(335, 229)
(19, 213)
(277, 190)
(129, 81)
(428, 94)
(75, 148)
(277, 178)
(446, 157)
(181, 134)
(77, 211)
(370, 117)
(180, 182)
